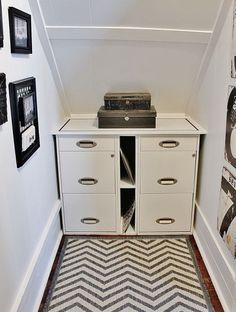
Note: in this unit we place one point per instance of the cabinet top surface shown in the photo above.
(163, 126)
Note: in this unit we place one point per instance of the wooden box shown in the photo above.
(127, 101)
(126, 118)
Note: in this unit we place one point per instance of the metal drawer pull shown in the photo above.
(165, 221)
(86, 144)
(90, 220)
(88, 181)
(169, 144)
(167, 181)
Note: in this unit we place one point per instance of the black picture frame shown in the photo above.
(22, 120)
(20, 31)
(1, 27)
(3, 99)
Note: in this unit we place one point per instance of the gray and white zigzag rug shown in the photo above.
(127, 274)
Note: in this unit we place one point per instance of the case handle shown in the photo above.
(167, 181)
(169, 144)
(86, 144)
(165, 221)
(90, 220)
(88, 181)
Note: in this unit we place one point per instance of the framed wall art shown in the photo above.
(233, 46)
(226, 221)
(230, 137)
(24, 118)
(20, 31)
(3, 99)
(1, 27)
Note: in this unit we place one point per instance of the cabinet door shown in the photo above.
(89, 213)
(167, 172)
(165, 213)
(87, 172)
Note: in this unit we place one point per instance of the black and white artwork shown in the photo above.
(20, 31)
(23, 101)
(230, 137)
(226, 222)
(1, 27)
(26, 108)
(233, 50)
(3, 99)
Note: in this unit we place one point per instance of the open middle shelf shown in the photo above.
(127, 184)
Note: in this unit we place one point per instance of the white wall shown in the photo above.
(28, 195)
(127, 46)
(209, 109)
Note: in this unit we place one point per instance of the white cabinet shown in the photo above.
(165, 213)
(87, 179)
(145, 176)
(167, 172)
(167, 183)
(164, 143)
(87, 172)
(89, 212)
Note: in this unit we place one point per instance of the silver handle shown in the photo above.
(88, 181)
(86, 144)
(90, 220)
(169, 144)
(167, 181)
(165, 221)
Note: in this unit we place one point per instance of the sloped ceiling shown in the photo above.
(100, 46)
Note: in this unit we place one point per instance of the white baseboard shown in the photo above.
(222, 276)
(32, 286)
(46, 274)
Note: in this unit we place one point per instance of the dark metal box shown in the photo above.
(127, 101)
(126, 118)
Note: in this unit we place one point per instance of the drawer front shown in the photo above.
(87, 172)
(168, 143)
(89, 213)
(165, 213)
(85, 144)
(168, 172)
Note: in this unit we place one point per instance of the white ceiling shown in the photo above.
(183, 14)
(100, 46)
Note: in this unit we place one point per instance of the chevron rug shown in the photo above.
(127, 274)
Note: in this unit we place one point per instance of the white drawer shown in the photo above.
(165, 213)
(85, 144)
(89, 213)
(167, 172)
(87, 172)
(168, 143)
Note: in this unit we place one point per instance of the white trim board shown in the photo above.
(41, 262)
(128, 33)
(221, 274)
(221, 16)
(47, 47)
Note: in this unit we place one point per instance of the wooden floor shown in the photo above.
(205, 276)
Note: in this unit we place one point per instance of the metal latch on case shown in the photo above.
(126, 118)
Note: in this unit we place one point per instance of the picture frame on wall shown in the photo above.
(3, 99)
(20, 31)
(1, 27)
(23, 103)
(230, 135)
(233, 45)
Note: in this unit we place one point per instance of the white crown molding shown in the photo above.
(128, 33)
